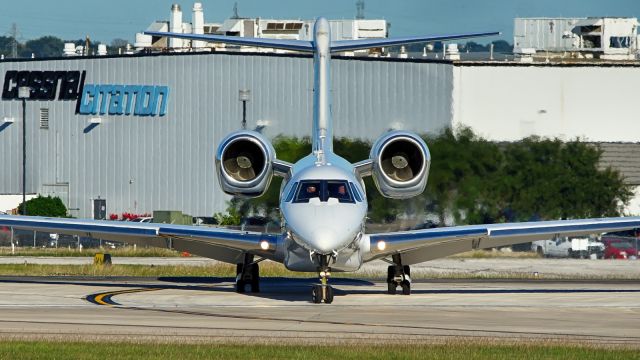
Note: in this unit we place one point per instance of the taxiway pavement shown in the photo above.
(197, 309)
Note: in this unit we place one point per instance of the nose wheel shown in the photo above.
(323, 292)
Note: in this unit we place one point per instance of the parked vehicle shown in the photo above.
(620, 249)
(571, 247)
(617, 243)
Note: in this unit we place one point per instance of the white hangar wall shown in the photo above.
(598, 103)
(145, 163)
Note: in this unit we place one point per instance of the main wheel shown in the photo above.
(240, 286)
(255, 278)
(391, 288)
(316, 294)
(406, 287)
(329, 295)
(391, 273)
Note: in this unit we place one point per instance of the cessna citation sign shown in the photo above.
(92, 99)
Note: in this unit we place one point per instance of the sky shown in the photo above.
(107, 20)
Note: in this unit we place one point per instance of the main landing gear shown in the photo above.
(324, 291)
(398, 275)
(248, 273)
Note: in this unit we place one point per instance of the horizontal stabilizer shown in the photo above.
(348, 45)
(295, 45)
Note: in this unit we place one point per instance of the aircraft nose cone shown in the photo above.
(324, 240)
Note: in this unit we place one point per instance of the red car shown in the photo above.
(619, 249)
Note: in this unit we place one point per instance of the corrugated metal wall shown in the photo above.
(551, 34)
(141, 164)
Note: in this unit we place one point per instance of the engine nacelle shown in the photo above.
(244, 163)
(401, 161)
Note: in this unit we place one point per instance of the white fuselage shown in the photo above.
(323, 203)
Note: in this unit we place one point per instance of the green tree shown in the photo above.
(44, 206)
(475, 181)
(463, 176)
(46, 46)
(550, 179)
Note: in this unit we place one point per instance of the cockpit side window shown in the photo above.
(356, 193)
(308, 189)
(292, 192)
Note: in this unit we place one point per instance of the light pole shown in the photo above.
(244, 96)
(24, 93)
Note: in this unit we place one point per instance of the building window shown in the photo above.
(620, 42)
(591, 42)
(44, 118)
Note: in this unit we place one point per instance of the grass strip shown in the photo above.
(127, 251)
(124, 350)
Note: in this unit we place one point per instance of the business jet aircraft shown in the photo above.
(322, 201)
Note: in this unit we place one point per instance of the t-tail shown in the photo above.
(321, 46)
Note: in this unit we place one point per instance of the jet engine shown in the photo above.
(400, 165)
(244, 163)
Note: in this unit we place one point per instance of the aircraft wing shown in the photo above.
(347, 45)
(422, 245)
(215, 243)
(307, 46)
(295, 45)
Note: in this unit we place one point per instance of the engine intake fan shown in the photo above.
(244, 162)
(401, 163)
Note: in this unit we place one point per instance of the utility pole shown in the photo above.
(235, 11)
(87, 44)
(244, 96)
(24, 93)
(360, 9)
(14, 40)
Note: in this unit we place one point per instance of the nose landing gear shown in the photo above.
(324, 291)
(398, 275)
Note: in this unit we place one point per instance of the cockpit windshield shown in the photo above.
(324, 189)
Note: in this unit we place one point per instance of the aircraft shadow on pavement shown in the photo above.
(285, 289)
(279, 288)
(498, 291)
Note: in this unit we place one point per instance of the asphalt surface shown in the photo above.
(208, 310)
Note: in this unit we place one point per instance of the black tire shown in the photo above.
(391, 272)
(406, 288)
(406, 270)
(316, 294)
(391, 289)
(239, 268)
(329, 298)
(255, 278)
(240, 286)
(540, 252)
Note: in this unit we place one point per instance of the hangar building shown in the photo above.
(138, 132)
